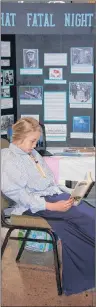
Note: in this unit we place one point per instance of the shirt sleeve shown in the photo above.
(14, 183)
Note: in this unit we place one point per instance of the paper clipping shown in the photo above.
(55, 59)
(56, 132)
(5, 63)
(6, 103)
(5, 49)
(55, 106)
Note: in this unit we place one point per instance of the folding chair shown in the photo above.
(29, 223)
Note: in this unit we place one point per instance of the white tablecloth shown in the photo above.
(75, 168)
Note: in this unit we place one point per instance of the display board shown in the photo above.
(8, 83)
(45, 18)
(56, 81)
(54, 68)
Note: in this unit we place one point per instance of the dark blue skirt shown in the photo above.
(76, 229)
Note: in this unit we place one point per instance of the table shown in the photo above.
(75, 168)
(69, 169)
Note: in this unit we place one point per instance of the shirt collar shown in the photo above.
(19, 151)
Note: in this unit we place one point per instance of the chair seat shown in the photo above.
(29, 221)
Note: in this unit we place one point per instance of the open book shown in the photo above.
(82, 188)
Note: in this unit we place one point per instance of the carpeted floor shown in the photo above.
(32, 282)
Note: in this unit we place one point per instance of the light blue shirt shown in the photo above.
(23, 183)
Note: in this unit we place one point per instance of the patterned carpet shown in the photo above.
(32, 282)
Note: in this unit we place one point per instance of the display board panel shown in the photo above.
(59, 104)
(8, 82)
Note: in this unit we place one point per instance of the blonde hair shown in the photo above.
(24, 126)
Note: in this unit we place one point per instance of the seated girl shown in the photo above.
(28, 181)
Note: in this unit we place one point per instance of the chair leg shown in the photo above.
(57, 267)
(22, 246)
(5, 241)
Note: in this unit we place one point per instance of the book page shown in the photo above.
(80, 189)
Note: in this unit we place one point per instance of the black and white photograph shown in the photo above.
(5, 49)
(1, 77)
(82, 60)
(30, 94)
(6, 120)
(30, 58)
(80, 93)
(8, 77)
(5, 63)
(5, 91)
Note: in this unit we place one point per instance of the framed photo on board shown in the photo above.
(5, 49)
(80, 94)
(6, 120)
(31, 95)
(5, 91)
(5, 62)
(56, 73)
(82, 60)
(30, 58)
(8, 77)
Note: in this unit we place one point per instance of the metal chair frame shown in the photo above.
(54, 238)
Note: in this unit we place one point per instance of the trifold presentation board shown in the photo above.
(54, 47)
